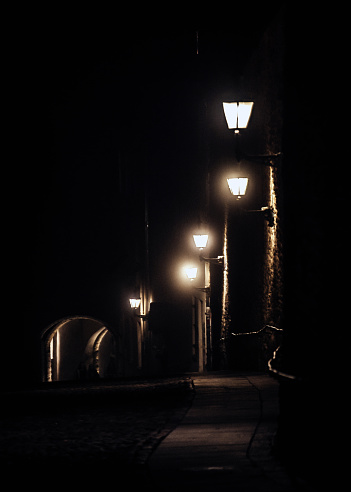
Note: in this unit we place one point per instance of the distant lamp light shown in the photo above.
(134, 302)
(237, 186)
(237, 114)
(200, 240)
(191, 272)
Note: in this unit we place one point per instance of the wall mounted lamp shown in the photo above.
(135, 304)
(237, 114)
(238, 188)
(191, 272)
(200, 240)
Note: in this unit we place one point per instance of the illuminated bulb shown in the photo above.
(237, 186)
(200, 240)
(237, 114)
(134, 303)
(191, 272)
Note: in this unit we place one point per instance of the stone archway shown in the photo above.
(77, 348)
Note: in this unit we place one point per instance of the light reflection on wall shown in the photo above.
(272, 232)
(225, 296)
(272, 261)
(54, 364)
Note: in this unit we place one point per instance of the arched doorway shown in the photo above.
(78, 348)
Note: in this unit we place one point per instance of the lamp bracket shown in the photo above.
(203, 289)
(268, 213)
(265, 159)
(214, 261)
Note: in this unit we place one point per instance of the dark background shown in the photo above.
(101, 107)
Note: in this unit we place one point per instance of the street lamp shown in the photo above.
(200, 240)
(237, 186)
(237, 114)
(134, 302)
(191, 272)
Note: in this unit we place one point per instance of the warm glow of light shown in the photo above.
(237, 114)
(200, 240)
(237, 186)
(52, 349)
(191, 272)
(272, 245)
(134, 303)
(225, 293)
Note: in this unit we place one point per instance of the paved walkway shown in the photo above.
(224, 441)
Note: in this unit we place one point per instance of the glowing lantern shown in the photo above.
(237, 114)
(200, 240)
(134, 302)
(237, 186)
(191, 272)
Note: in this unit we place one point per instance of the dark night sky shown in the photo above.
(95, 98)
(93, 94)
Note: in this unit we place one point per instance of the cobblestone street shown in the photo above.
(79, 431)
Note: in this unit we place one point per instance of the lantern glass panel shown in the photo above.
(237, 114)
(191, 272)
(134, 303)
(237, 186)
(200, 240)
